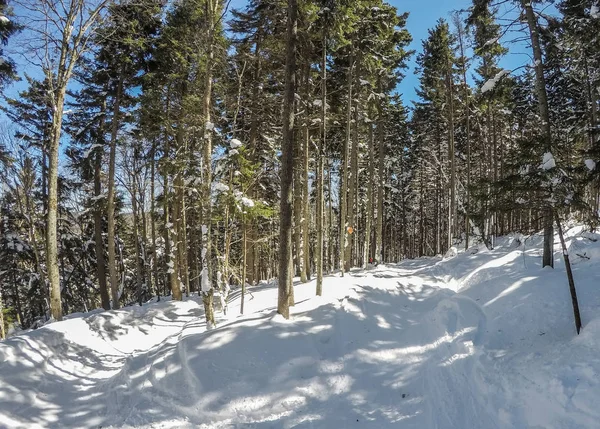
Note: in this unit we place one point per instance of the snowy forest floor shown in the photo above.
(482, 339)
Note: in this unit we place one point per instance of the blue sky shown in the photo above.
(423, 15)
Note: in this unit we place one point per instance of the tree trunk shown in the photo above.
(112, 264)
(99, 240)
(30, 218)
(244, 256)
(2, 329)
(320, 166)
(136, 240)
(180, 254)
(154, 267)
(467, 130)
(287, 166)
(343, 196)
(353, 178)
(213, 8)
(52, 215)
(168, 255)
(451, 155)
(371, 179)
(574, 300)
(380, 185)
(540, 84)
(305, 191)
(298, 209)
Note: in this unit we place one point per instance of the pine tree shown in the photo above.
(287, 165)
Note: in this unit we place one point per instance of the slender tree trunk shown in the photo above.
(451, 154)
(183, 265)
(253, 272)
(421, 211)
(305, 191)
(99, 240)
(353, 179)
(175, 279)
(593, 138)
(179, 226)
(572, 289)
(169, 257)
(144, 265)
(467, 130)
(287, 166)
(52, 215)
(154, 267)
(33, 239)
(298, 209)
(540, 84)
(2, 329)
(380, 185)
(320, 166)
(213, 9)
(330, 230)
(136, 240)
(343, 197)
(371, 179)
(112, 264)
(244, 253)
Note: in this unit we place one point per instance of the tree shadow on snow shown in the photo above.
(376, 358)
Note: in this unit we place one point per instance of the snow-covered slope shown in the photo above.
(483, 339)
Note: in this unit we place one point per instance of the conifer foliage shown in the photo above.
(172, 148)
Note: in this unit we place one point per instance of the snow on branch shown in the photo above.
(491, 84)
(548, 161)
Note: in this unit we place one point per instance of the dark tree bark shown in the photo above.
(572, 289)
(287, 166)
(540, 85)
(320, 165)
(99, 241)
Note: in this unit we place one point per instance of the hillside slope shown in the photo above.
(482, 339)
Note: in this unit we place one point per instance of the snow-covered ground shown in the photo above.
(484, 339)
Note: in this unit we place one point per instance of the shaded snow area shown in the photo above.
(481, 339)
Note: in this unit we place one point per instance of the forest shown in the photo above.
(166, 148)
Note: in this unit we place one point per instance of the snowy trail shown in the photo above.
(364, 356)
(459, 343)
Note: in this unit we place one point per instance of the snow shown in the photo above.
(4, 19)
(491, 41)
(204, 281)
(548, 161)
(235, 143)
(491, 84)
(595, 11)
(472, 341)
(221, 187)
(247, 202)
(590, 164)
(91, 149)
